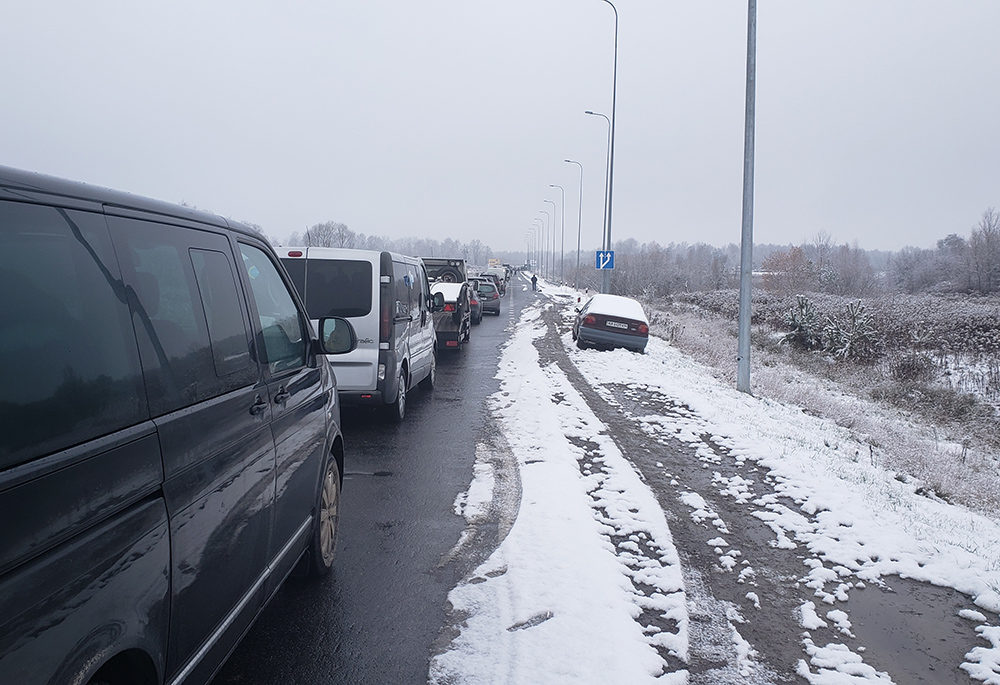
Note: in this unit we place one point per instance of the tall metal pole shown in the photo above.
(562, 232)
(606, 283)
(579, 225)
(548, 236)
(538, 248)
(746, 250)
(553, 238)
(534, 248)
(607, 169)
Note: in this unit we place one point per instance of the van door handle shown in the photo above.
(282, 396)
(258, 406)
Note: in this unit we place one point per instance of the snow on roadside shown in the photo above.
(859, 521)
(586, 587)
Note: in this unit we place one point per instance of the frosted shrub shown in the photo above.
(852, 336)
(806, 333)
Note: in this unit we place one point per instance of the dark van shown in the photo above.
(170, 447)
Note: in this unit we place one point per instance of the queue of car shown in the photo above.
(170, 418)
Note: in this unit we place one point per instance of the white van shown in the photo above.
(387, 299)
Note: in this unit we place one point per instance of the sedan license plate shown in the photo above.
(616, 324)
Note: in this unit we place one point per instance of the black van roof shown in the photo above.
(29, 186)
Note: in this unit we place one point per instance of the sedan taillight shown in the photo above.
(644, 329)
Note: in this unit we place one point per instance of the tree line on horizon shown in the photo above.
(337, 234)
(956, 265)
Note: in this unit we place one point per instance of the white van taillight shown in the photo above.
(381, 372)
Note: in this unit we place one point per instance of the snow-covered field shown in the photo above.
(587, 587)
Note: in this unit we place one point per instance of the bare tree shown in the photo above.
(329, 234)
(913, 270)
(984, 250)
(789, 273)
(476, 250)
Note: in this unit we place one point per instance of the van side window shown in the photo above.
(173, 311)
(424, 287)
(285, 340)
(69, 367)
(415, 294)
(402, 291)
(223, 311)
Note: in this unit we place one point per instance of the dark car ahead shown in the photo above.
(609, 321)
(170, 447)
(490, 297)
(453, 323)
(475, 302)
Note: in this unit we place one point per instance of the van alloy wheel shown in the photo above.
(428, 383)
(329, 514)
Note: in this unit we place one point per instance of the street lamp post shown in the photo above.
(607, 169)
(562, 232)
(533, 231)
(538, 247)
(746, 249)
(548, 233)
(541, 248)
(579, 224)
(553, 238)
(606, 283)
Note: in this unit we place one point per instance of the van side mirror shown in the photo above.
(437, 302)
(336, 335)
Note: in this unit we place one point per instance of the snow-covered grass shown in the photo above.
(912, 448)
(587, 586)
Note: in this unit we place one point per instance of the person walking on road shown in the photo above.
(534, 282)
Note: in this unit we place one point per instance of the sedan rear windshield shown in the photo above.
(337, 287)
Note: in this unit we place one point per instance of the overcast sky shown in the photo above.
(877, 121)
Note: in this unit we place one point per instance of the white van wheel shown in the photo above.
(428, 383)
(397, 410)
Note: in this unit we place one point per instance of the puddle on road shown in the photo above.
(912, 630)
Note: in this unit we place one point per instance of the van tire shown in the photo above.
(323, 544)
(428, 383)
(396, 411)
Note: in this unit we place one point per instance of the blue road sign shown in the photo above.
(605, 259)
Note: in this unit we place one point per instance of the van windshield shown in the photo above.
(338, 287)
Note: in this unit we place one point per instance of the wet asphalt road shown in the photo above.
(375, 619)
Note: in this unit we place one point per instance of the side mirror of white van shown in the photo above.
(336, 335)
